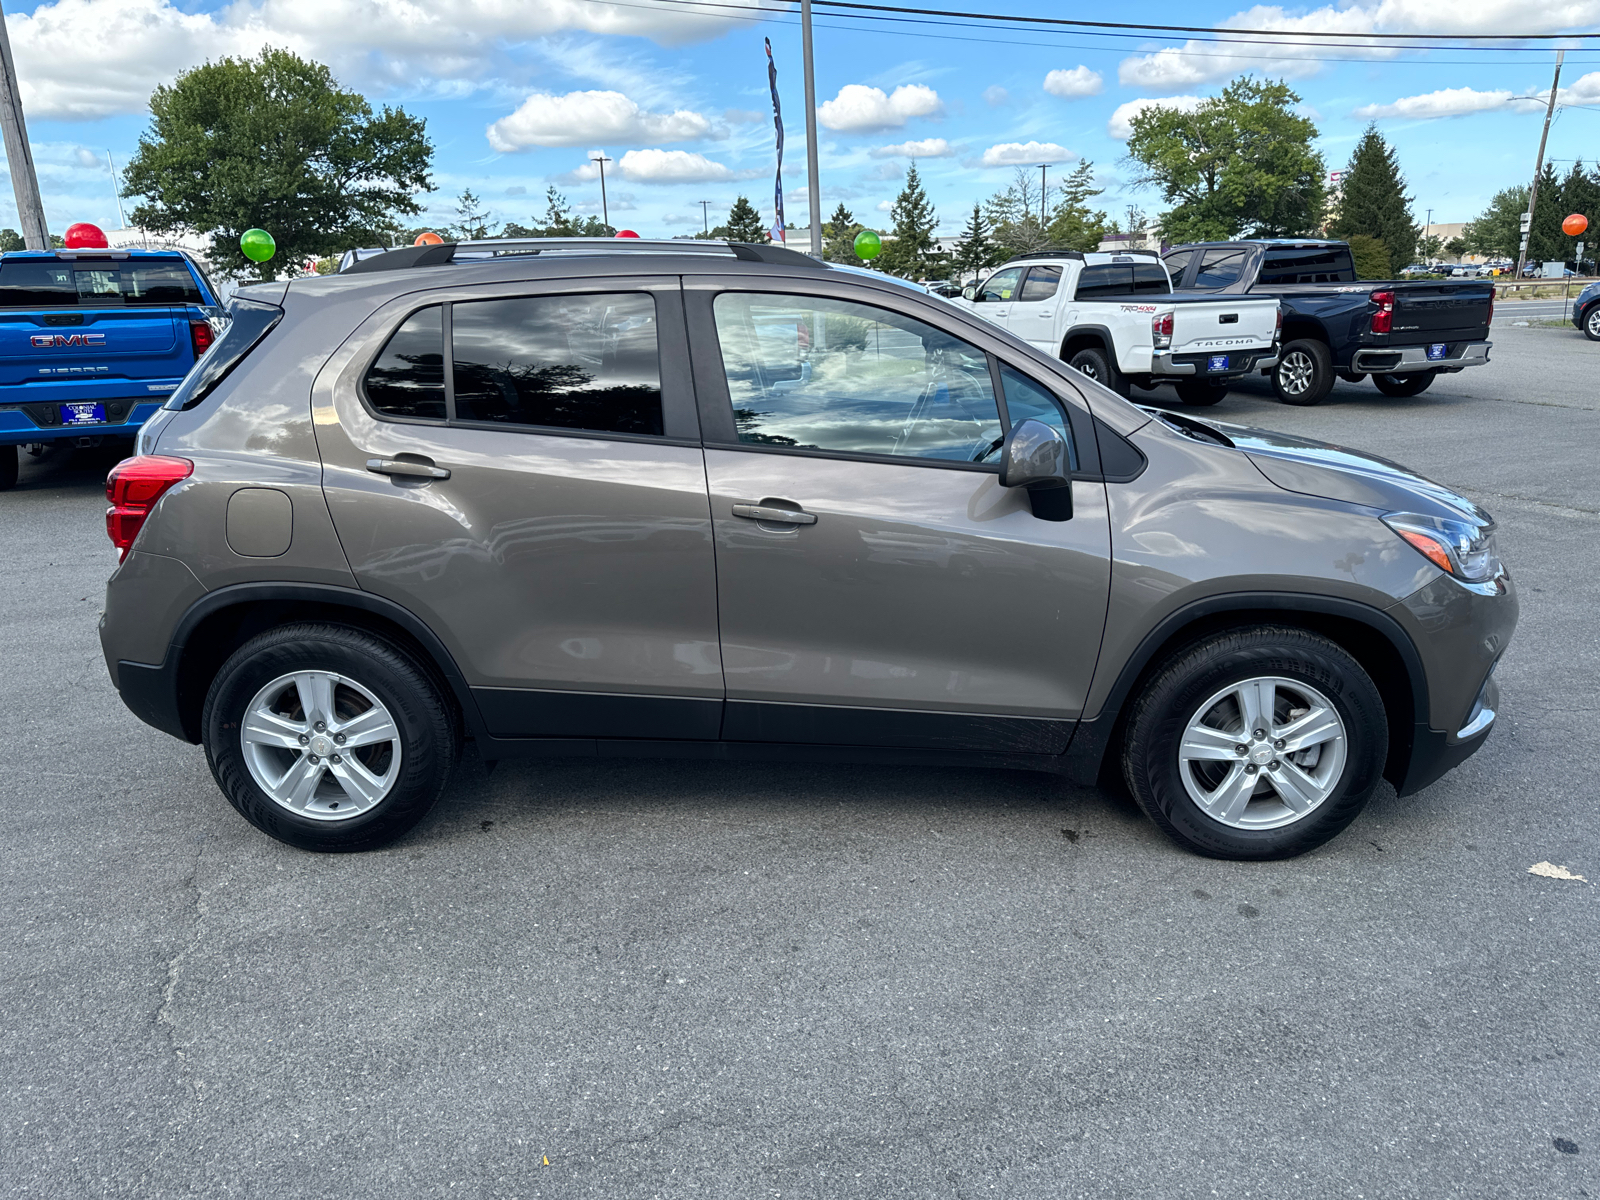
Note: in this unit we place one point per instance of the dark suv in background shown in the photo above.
(668, 499)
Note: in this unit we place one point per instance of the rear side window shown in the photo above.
(96, 283)
(1041, 283)
(408, 378)
(1219, 268)
(249, 322)
(568, 362)
(1150, 279)
(1105, 279)
(1319, 264)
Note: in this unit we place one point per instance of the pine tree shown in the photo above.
(839, 237)
(915, 250)
(1375, 202)
(1072, 225)
(1371, 257)
(744, 223)
(1580, 193)
(475, 219)
(976, 250)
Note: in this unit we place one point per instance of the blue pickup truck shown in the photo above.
(92, 342)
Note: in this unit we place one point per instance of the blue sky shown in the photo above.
(517, 95)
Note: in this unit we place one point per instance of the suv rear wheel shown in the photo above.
(1304, 374)
(1257, 743)
(328, 738)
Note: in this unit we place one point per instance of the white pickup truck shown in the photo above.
(1115, 317)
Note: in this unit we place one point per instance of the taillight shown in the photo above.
(1383, 319)
(133, 487)
(201, 335)
(1489, 320)
(1161, 330)
(1278, 328)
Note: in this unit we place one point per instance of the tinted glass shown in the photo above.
(1041, 283)
(1002, 285)
(1320, 264)
(1105, 279)
(250, 321)
(1025, 399)
(408, 378)
(1177, 263)
(830, 375)
(569, 362)
(46, 283)
(1219, 268)
(1150, 279)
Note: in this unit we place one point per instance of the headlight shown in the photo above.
(1464, 549)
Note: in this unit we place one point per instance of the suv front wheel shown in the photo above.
(328, 738)
(1257, 743)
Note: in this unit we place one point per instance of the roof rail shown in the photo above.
(406, 257)
(1077, 254)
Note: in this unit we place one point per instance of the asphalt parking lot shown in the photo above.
(670, 979)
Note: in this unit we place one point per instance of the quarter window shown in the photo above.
(829, 375)
(568, 362)
(408, 378)
(1041, 283)
(1177, 263)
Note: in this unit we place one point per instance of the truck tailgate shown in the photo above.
(1440, 312)
(106, 351)
(1207, 325)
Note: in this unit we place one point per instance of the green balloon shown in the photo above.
(257, 245)
(868, 245)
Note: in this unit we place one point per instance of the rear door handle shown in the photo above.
(407, 468)
(766, 512)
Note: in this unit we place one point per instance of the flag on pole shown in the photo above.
(777, 125)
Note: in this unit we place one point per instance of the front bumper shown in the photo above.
(1166, 364)
(26, 424)
(1401, 360)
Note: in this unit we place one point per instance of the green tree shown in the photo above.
(976, 251)
(1240, 163)
(472, 219)
(1374, 200)
(559, 222)
(1016, 217)
(1428, 247)
(1580, 193)
(744, 224)
(1073, 226)
(1497, 231)
(1456, 247)
(11, 240)
(914, 252)
(1371, 257)
(273, 142)
(839, 237)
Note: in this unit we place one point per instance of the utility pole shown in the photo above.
(705, 218)
(813, 189)
(1043, 193)
(602, 160)
(24, 181)
(116, 189)
(1538, 168)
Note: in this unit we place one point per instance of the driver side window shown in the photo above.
(817, 374)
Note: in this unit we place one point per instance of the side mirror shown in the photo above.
(1035, 457)
(969, 293)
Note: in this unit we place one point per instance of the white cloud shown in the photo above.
(862, 109)
(672, 166)
(885, 205)
(1026, 154)
(83, 59)
(1120, 126)
(994, 95)
(1175, 68)
(1450, 102)
(87, 159)
(578, 117)
(1080, 81)
(926, 148)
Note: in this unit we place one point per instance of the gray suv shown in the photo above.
(665, 499)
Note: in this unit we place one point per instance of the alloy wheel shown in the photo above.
(1262, 753)
(1295, 372)
(321, 745)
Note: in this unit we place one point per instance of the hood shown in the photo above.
(1332, 472)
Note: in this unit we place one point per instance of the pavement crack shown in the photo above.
(194, 913)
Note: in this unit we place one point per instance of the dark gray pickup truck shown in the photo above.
(1403, 333)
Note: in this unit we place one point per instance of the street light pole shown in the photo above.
(24, 180)
(705, 218)
(602, 160)
(813, 189)
(1043, 191)
(1538, 167)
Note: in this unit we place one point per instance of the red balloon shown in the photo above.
(84, 236)
(428, 239)
(1575, 224)
(626, 233)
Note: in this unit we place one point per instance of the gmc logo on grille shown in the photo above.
(44, 341)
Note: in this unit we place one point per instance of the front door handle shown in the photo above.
(767, 512)
(407, 468)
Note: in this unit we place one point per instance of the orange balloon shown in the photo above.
(1575, 224)
(427, 239)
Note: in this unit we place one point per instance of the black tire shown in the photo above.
(426, 724)
(1100, 367)
(8, 467)
(1197, 393)
(1413, 383)
(1172, 697)
(1591, 323)
(1304, 374)
(1353, 376)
